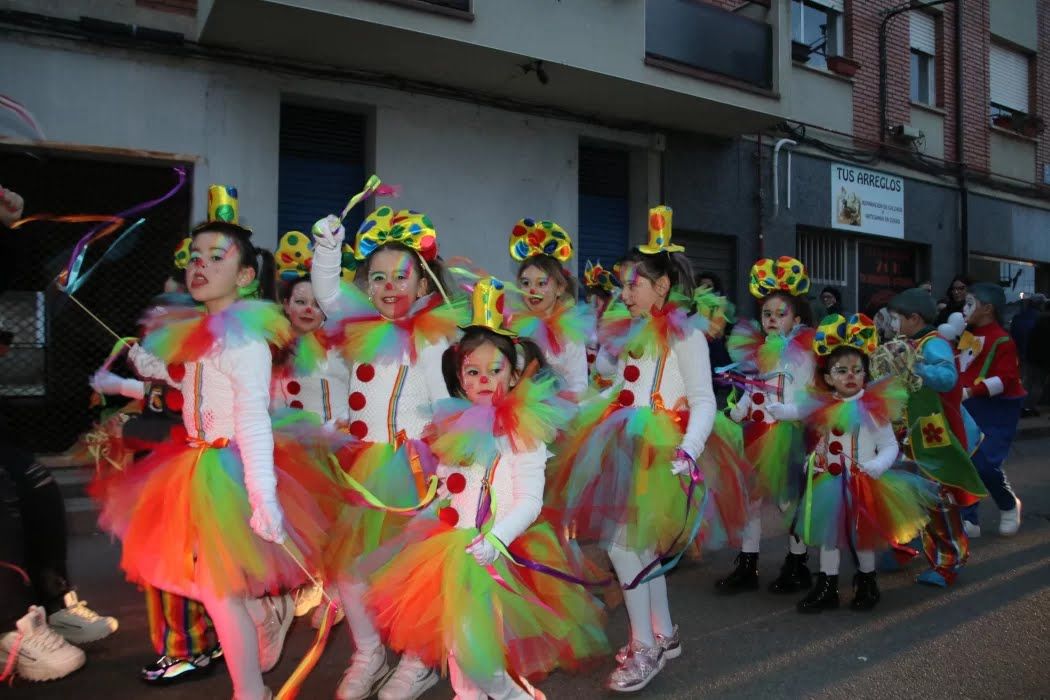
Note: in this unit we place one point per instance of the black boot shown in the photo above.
(743, 578)
(794, 575)
(865, 591)
(823, 596)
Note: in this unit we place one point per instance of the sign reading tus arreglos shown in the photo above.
(867, 201)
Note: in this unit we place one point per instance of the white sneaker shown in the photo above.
(315, 619)
(80, 624)
(368, 669)
(273, 628)
(307, 597)
(1010, 520)
(410, 680)
(42, 653)
(972, 530)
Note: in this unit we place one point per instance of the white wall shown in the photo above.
(474, 170)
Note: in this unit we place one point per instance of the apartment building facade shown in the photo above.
(770, 126)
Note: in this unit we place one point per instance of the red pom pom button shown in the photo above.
(357, 401)
(631, 373)
(835, 447)
(838, 432)
(176, 371)
(366, 372)
(449, 516)
(758, 416)
(834, 469)
(293, 387)
(359, 429)
(173, 400)
(455, 483)
(296, 404)
(626, 398)
(758, 398)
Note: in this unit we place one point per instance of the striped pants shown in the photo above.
(178, 627)
(944, 542)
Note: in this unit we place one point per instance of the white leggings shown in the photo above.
(240, 643)
(647, 606)
(753, 532)
(500, 687)
(829, 561)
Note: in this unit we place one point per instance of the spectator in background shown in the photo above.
(711, 280)
(1021, 330)
(831, 298)
(1038, 353)
(927, 286)
(955, 297)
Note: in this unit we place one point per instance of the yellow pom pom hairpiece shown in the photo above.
(785, 274)
(836, 331)
(530, 237)
(597, 277)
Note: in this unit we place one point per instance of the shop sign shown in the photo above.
(867, 201)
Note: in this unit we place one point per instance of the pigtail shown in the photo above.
(265, 272)
(450, 360)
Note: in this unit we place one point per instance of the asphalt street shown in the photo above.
(986, 637)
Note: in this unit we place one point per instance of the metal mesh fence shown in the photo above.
(56, 345)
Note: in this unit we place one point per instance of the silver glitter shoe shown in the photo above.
(672, 647)
(638, 669)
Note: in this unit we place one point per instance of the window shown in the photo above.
(818, 25)
(923, 58)
(1008, 82)
(825, 257)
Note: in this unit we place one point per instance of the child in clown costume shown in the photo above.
(551, 317)
(599, 288)
(990, 376)
(777, 363)
(310, 375)
(232, 512)
(853, 499)
(940, 435)
(464, 587)
(628, 475)
(392, 335)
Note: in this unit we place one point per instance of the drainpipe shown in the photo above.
(760, 196)
(776, 174)
(960, 152)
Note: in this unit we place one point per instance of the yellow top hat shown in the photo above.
(785, 274)
(836, 331)
(660, 232)
(487, 311)
(222, 204)
(530, 237)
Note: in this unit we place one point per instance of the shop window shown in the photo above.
(826, 258)
(816, 31)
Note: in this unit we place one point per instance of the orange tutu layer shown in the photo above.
(182, 514)
(429, 598)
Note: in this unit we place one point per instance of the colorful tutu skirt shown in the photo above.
(613, 482)
(430, 598)
(727, 475)
(777, 451)
(865, 513)
(182, 514)
(396, 476)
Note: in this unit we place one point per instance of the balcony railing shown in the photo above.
(701, 37)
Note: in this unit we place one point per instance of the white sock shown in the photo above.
(628, 565)
(362, 631)
(240, 645)
(829, 561)
(795, 545)
(753, 529)
(865, 560)
(659, 606)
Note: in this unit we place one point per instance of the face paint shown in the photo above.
(969, 306)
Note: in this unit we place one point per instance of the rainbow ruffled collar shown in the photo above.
(179, 334)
